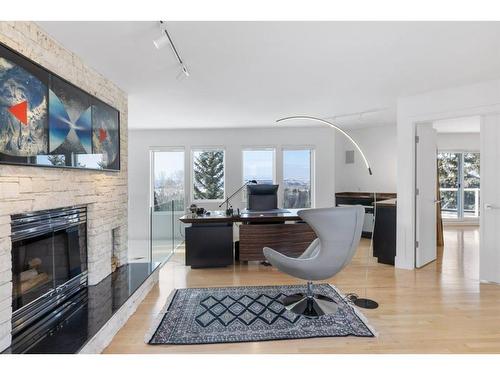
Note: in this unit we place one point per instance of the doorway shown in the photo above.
(452, 182)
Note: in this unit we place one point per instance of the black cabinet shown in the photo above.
(384, 235)
(365, 199)
(209, 245)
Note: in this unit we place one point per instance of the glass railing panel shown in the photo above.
(178, 229)
(161, 232)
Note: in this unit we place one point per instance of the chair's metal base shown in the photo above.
(310, 306)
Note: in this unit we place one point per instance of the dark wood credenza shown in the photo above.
(365, 199)
(362, 198)
(384, 235)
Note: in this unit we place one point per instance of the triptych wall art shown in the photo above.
(46, 121)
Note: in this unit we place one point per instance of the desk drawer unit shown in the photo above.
(289, 239)
(209, 245)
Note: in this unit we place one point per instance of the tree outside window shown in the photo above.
(449, 179)
(472, 184)
(459, 182)
(208, 175)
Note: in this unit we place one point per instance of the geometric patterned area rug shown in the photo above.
(250, 313)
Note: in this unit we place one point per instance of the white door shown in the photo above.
(489, 258)
(425, 198)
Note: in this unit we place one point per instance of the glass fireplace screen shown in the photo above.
(48, 250)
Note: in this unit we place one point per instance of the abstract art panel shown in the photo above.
(23, 108)
(106, 134)
(70, 119)
(47, 121)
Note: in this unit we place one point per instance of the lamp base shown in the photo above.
(365, 303)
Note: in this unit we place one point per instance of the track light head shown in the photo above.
(165, 39)
(183, 72)
(162, 41)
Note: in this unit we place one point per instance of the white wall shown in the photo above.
(458, 141)
(472, 100)
(233, 140)
(379, 145)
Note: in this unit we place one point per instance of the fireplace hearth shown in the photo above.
(49, 269)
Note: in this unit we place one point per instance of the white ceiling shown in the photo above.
(250, 73)
(458, 125)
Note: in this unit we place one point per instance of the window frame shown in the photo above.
(461, 202)
(191, 168)
(257, 148)
(312, 168)
(154, 149)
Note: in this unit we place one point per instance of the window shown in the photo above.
(168, 184)
(167, 201)
(459, 184)
(208, 175)
(471, 184)
(258, 164)
(297, 178)
(449, 181)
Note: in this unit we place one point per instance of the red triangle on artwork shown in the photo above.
(103, 134)
(20, 111)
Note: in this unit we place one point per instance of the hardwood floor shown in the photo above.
(441, 308)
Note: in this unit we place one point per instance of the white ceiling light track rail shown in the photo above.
(165, 39)
(359, 114)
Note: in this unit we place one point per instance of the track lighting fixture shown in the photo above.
(183, 72)
(164, 40)
(161, 41)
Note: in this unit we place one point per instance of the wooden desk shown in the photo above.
(207, 242)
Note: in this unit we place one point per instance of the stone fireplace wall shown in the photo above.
(24, 189)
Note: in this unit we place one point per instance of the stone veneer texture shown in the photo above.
(25, 189)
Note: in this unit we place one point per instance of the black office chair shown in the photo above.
(262, 197)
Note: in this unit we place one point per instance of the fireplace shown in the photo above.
(49, 269)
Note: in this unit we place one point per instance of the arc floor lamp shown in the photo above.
(361, 302)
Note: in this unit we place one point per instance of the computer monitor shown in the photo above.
(262, 197)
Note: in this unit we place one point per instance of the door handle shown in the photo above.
(489, 206)
(437, 201)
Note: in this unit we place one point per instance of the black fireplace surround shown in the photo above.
(49, 269)
(55, 311)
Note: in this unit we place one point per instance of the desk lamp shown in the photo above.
(229, 210)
